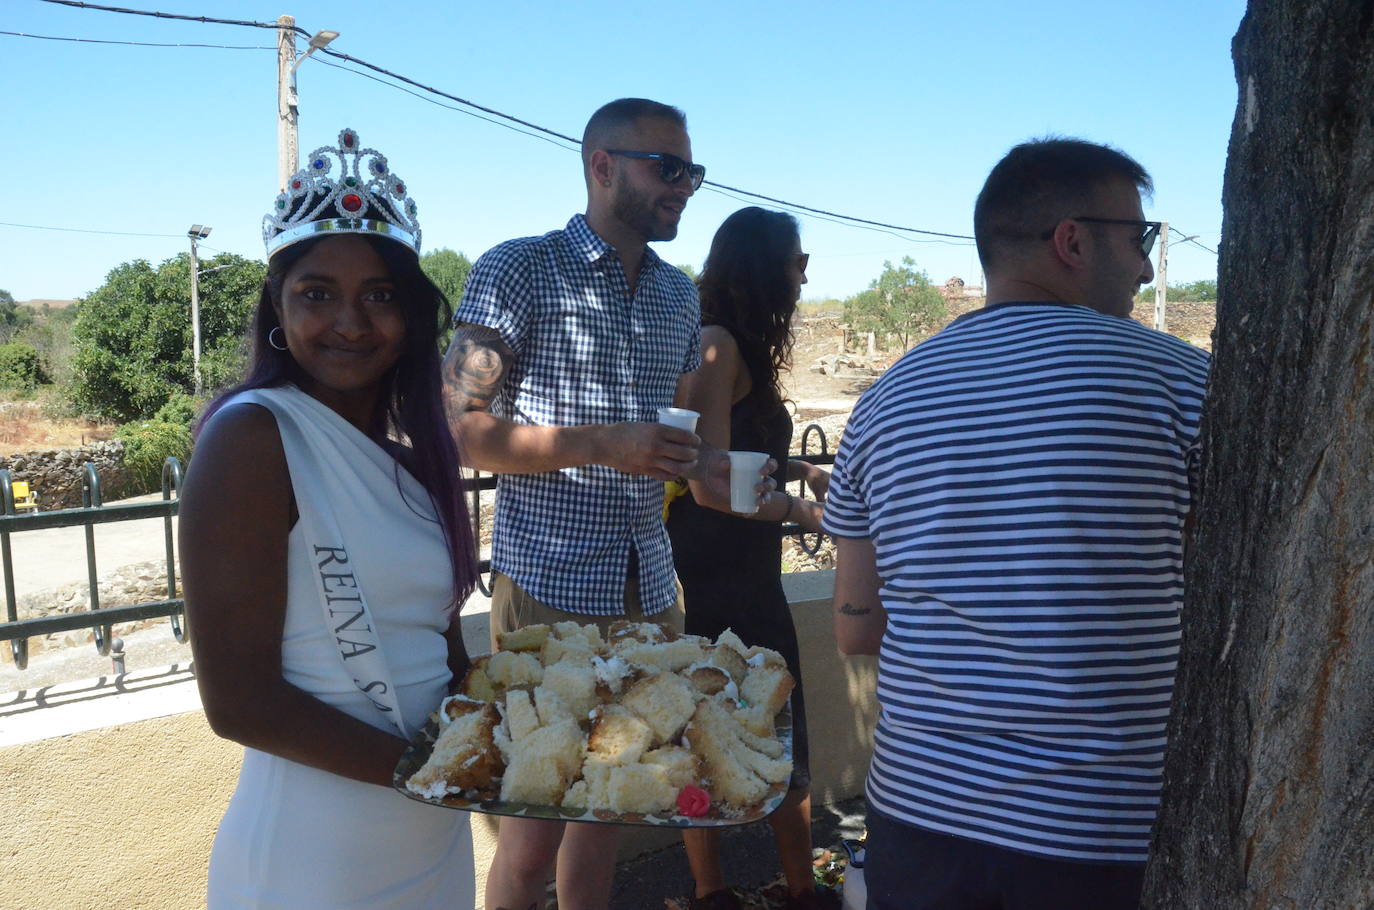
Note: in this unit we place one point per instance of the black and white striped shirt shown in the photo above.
(587, 351)
(1024, 477)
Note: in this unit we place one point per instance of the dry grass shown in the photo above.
(24, 428)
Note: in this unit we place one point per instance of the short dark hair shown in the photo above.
(613, 119)
(1040, 183)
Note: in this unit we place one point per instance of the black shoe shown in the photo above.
(819, 899)
(724, 899)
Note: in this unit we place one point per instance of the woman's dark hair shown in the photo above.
(412, 402)
(745, 288)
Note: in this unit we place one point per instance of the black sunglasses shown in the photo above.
(1147, 236)
(671, 168)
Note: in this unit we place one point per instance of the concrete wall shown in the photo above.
(110, 792)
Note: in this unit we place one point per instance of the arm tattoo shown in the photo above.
(848, 609)
(474, 369)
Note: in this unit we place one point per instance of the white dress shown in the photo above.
(301, 838)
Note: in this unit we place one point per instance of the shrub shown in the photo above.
(21, 367)
(180, 408)
(147, 443)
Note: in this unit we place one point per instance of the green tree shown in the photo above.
(134, 336)
(1189, 292)
(449, 272)
(50, 333)
(688, 270)
(900, 301)
(13, 317)
(21, 367)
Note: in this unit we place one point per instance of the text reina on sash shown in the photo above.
(341, 588)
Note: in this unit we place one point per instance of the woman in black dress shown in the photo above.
(730, 566)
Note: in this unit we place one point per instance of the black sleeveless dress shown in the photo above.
(731, 567)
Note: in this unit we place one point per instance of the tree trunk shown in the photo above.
(1269, 775)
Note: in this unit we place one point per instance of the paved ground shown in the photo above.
(748, 858)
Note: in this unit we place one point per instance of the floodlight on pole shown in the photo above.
(318, 40)
(197, 232)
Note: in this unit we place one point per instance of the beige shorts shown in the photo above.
(512, 608)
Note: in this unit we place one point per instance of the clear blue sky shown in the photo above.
(890, 111)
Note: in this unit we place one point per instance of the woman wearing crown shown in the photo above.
(326, 551)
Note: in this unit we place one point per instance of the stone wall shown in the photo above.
(56, 474)
(132, 584)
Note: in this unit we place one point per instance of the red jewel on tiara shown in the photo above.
(352, 202)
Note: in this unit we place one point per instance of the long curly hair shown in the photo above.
(745, 288)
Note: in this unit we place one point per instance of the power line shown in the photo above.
(44, 227)
(401, 88)
(796, 206)
(209, 20)
(711, 185)
(1192, 239)
(224, 47)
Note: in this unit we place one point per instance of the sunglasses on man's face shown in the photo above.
(671, 168)
(1149, 232)
(803, 260)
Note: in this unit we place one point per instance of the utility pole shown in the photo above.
(1162, 276)
(197, 232)
(287, 152)
(288, 111)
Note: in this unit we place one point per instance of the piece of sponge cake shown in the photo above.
(727, 778)
(514, 668)
(769, 686)
(528, 638)
(544, 764)
(668, 655)
(664, 701)
(464, 756)
(575, 683)
(683, 765)
(618, 736)
(640, 788)
(571, 632)
(522, 718)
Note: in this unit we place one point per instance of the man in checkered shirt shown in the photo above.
(565, 347)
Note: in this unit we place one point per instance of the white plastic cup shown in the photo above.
(681, 418)
(744, 478)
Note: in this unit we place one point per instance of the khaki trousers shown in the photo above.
(512, 607)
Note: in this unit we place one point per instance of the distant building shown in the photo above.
(954, 289)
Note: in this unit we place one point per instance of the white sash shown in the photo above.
(312, 437)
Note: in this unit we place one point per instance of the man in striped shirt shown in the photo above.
(1009, 504)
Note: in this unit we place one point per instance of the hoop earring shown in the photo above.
(272, 341)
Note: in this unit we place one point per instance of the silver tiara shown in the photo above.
(365, 197)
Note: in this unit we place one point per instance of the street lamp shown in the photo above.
(318, 40)
(197, 232)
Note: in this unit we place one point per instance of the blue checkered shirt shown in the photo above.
(587, 351)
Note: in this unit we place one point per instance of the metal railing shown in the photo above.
(100, 620)
(93, 511)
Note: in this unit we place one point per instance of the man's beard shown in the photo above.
(638, 211)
